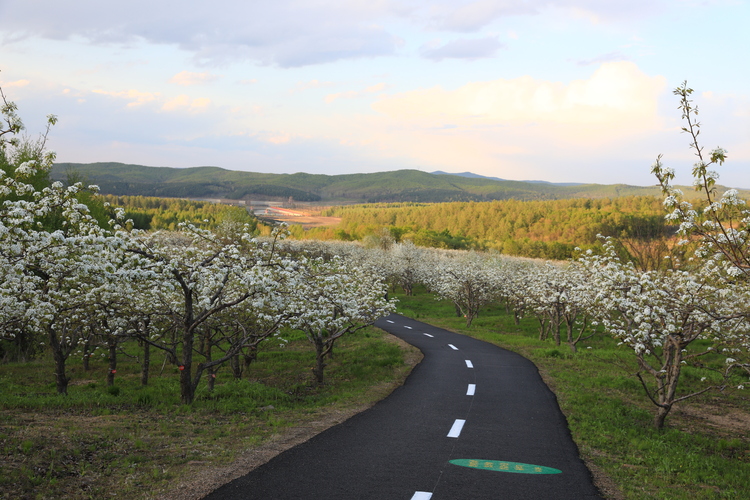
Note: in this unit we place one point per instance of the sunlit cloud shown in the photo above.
(312, 84)
(16, 84)
(617, 93)
(186, 78)
(184, 103)
(135, 97)
(352, 94)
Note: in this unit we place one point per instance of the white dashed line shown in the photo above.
(431, 336)
(456, 429)
(472, 388)
(408, 327)
(468, 364)
(389, 321)
(421, 495)
(453, 347)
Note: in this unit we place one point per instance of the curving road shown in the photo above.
(472, 421)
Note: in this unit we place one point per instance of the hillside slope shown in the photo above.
(395, 186)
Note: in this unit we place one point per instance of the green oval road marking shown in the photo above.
(500, 466)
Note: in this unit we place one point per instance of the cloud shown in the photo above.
(352, 94)
(185, 103)
(135, 97)
(186, 78)
(524, 128)
(16, 84)
(286, 33)
(471, 16)
(463, 48)
(312, 84)
(617, 93)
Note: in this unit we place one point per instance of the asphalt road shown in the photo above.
(467, 400)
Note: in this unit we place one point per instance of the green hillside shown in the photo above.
(395, 186)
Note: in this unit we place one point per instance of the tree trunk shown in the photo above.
(59, 357)
(236, 366)
(319, 360)
(187, 389)
(146, 364)
(211, 379)
(543, 328)
(661, 416)
(112, 344)
(211, 369)
(86, 355)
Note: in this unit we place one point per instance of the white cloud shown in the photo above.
(135, 97)
(286, 33)
(185, 103)
(16, 84)
(352, 94)
(617, 94)
(187, 78)
(463, 48)
(312, 84)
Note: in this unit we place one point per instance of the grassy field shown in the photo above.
(128, 441)
(704, 453)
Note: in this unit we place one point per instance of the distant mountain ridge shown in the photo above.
(394, 186)
(473, 175)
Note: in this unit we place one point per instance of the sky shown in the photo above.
(561, 91)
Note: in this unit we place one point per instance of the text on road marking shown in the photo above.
(468, 364)
(456, 429)
(471, 389)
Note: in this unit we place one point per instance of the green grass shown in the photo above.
(129, 441)
(610, 418)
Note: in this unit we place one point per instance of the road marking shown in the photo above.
(456, 429)
(468, 364)
(453, 347)
(431, 336)
(421, 495)
(407, 327)
(471, 389)
(389, 321)
(502, 466)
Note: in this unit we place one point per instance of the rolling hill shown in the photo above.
(394, 186)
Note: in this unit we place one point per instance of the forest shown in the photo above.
(550, 229)
(398, 186)
(153, 213)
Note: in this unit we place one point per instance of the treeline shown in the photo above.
(203, 189)
(550, 229)
(166, 213)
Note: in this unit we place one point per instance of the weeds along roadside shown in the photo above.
(704, 452)
(130, 441)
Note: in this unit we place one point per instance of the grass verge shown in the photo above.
(703, 453)
(129, 441)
